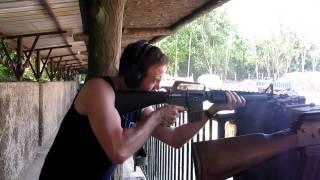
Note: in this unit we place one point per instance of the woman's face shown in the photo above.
(152, 78)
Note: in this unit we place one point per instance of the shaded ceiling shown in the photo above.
(60, 22)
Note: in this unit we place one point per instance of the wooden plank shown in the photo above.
(17, 4)
(40, 13)
(62, 19)
(39, 26)
(36, 34)
(22, 8)
(32, 29)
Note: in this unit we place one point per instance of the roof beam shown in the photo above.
(67, 60)
(143, 32)
(48, 8)
(48, 48)
(35, 34)
(131, 32)
(65, 55)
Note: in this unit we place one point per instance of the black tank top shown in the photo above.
(76, 153)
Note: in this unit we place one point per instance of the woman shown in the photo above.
(94, 137)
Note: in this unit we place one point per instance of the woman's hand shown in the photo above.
(168, 114)
(233, 101)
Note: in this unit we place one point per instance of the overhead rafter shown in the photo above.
(16, 64)
(64, 55)
(47, 6)
(48, 48)
(67, 60)
(35, 34)
(131, 32)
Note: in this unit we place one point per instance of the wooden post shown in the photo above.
(103, 21)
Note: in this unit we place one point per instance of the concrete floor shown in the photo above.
(32, 173)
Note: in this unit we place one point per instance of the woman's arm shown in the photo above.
(105, 121)
(178, 136)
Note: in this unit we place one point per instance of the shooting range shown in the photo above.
(64, 39)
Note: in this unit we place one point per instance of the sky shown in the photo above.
(260, 17)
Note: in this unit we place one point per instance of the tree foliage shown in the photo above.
(213, 45)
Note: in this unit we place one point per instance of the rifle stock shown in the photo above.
(223, 158)
(128, 101)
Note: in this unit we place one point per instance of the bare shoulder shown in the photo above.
(98, 84)
(94, 90)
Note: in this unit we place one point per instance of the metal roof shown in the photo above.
(58, 22)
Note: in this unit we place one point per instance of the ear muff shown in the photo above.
(134, 76)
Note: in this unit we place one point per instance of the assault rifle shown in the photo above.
(186, 94)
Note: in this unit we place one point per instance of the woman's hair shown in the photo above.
(141, 55)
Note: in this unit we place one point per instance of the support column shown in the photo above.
(19, 68)
(103, 21)
(51, 75)
(38, 65)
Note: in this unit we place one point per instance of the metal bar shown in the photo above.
(210, 129)
(191, 168)
(32, 48)
(28, 56)
(18, 70)
(47, 6)
(179, 152)
(68, 64)
(53, 47)
(51, 76)
(152, 153)
(59, 61)
(64, 71)
(47, 73)
(150, 158)
(156, 169)
(204, 132)
(162, 160)
(68, 60)
(45, 68)
(168, 162)
(78, 66)
(198, 137)
(35, 34)
(55, 68)
(183, 151)
(45, 63)
(64, 55)
(11, 62)
(188, 160)
(174, 162)
(38, 65)
(171, 162)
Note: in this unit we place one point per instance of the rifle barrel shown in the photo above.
(218, 96)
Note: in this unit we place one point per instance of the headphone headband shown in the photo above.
(136, 73)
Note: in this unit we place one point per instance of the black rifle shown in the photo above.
(189, 95)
